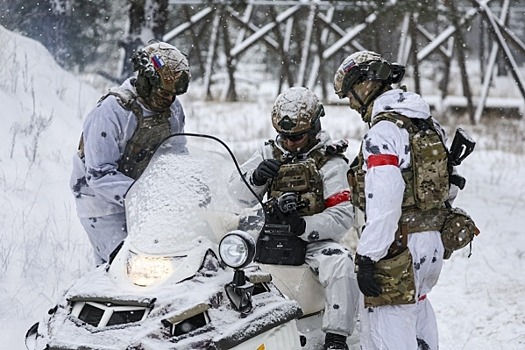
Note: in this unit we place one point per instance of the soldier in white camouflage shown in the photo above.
(303, 160)
(400, 180)
(119, 137)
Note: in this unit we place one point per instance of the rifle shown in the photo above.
(462, 146)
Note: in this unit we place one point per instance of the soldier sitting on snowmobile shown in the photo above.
(119, 137)
(303, 161)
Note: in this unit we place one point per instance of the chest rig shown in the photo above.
(148, 134)
(300, 174)
(426, 179)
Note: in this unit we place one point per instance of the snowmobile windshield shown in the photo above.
(181, 200)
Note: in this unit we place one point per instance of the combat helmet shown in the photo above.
(366, 66)
(162, 71)
(297, 111)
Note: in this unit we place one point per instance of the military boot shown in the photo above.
(334, 342)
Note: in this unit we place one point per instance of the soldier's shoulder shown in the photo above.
(399, 120)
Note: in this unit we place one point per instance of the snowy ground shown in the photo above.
(478, 301)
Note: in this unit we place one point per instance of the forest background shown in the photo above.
(96, 38)
(478, 300)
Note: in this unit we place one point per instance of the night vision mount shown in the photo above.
(142, 63)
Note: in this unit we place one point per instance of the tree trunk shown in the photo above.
(413, 34)
(141, 30)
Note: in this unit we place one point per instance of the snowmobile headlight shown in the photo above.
(237, 249)
(144, 270)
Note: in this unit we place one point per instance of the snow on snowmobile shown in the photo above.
(183, 278)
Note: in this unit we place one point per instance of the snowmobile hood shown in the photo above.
(178, 210)
(166, 288)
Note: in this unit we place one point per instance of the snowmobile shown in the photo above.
(184, 277)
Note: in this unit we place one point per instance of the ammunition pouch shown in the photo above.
(396, 278)
(277, 246)
(458, 230)
(456, 226)
(430, 178)
(302, 178)
(395, 272)
(412, 221)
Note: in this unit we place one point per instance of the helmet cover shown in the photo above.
(295, 111)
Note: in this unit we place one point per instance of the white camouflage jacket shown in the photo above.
(96, 183)
(334, 221)
(384, 185)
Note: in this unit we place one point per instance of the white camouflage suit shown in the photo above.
(404, 326)
(97, 184)
(329, 260)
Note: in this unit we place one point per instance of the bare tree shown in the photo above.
(147, 21)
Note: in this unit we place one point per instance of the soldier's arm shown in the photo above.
(102, 133)
(385, 150)
(338, 216)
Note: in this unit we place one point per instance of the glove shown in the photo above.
(296, 222)
(366, 280)
(267, 169)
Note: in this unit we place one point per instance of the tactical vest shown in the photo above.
(148, 134)
(300, 174)
(426, 180)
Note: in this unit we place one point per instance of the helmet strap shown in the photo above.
(363, 107)
(316, 122)
(312, 141)
(363, 110)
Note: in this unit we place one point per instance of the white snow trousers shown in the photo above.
(335, 269)
(407, 327)
(105, 234)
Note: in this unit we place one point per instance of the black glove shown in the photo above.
(267, 169)
(366, 277)
(296, 222)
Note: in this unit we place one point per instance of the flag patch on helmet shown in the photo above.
(158, 62)
(348, 65)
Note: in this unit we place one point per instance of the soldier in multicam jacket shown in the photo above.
(119, 137)
(400, 180)
(303, 159)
